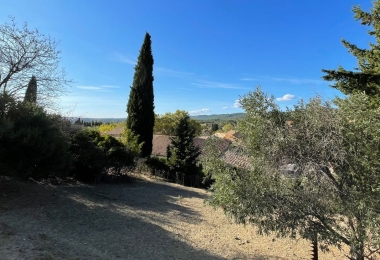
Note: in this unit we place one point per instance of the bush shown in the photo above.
(88, 159)
(94, 154)
(117, 155)
(157, 164)
(31, 144)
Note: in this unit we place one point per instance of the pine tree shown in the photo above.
(366, 77)
(182, 153)
(31, 91)
(140, 106)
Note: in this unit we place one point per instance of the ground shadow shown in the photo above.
(64, 228)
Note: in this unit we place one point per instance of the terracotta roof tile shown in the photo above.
(160, 143)
(237, 159)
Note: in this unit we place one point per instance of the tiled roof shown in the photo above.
(236, 158)
(160, 143)
(238, 135)
(231, 135)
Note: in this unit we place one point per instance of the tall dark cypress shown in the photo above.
(140, 106)
(31, 91)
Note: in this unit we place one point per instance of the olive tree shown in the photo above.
(314, 172)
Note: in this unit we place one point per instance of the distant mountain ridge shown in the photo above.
(213, 117)
(104, 120)
(233, 116)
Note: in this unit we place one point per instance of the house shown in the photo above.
(160, 143)
(236, 158)
(231, 135)
(230, 154)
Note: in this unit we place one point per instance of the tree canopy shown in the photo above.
(315, 176)
(167, 123)
(182, 153)
(26, 53)
(140, 105)
(366, 77)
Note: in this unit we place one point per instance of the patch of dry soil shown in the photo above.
(146, 219)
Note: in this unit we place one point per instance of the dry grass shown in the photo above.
(146, 219)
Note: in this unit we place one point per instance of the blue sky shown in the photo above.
(207, 53)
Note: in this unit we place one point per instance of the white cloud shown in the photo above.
(199, 111)
(172, 73)
(286, 97)
(292, 80)
(298, 80)
(212, 84)
(225, 107)
(89, 87)
(118, 57)
(105, 88)
(108, 86)
(237, 103)
(249, 79)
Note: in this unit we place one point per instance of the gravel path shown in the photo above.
(146, 219)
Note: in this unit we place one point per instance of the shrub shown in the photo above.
(157, 164)
(31, 144)
(88, 158)
(117, 155)
(94, 154)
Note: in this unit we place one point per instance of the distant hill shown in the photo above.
(220, 117)
(104, 120)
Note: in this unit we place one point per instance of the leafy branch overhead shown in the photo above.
(366, 77)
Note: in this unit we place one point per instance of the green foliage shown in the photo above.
(89, 160)
(140, 106)
(31, 91)
(318, 177)
(131, 141)
(214, 127)
(366, 76)
(106, 127)
(210, 160)
(167, 124)
(157, 164)
(92, 123)
(228, 127)
(94, 154)
(117, 154)
(182, 153)
(31, 143)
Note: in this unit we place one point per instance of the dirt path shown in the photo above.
(147, 219)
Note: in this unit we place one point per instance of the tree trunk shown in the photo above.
(314, 255)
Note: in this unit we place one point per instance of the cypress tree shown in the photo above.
(366, 77)
(31, 91)
(182, 153)
(140, 106)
